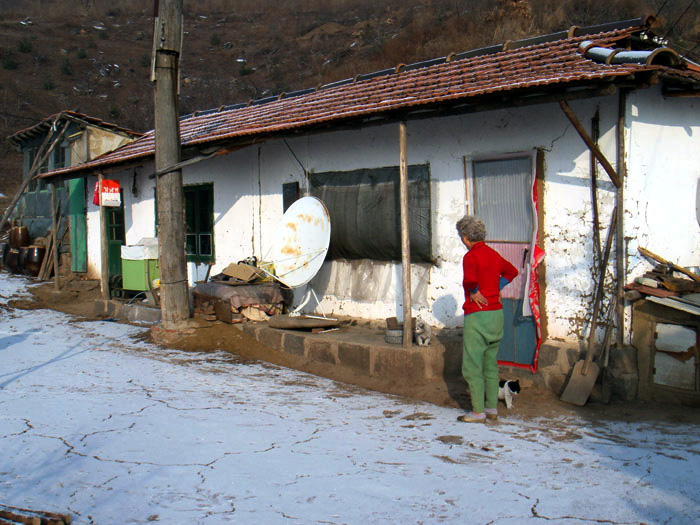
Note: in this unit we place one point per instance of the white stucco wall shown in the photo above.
(663, 176)
(248, 201)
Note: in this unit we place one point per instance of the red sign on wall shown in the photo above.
(109, 195)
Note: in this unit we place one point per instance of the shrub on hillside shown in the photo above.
(66, 68)
(9, 62)
(81, 53)
(25, 46)
(214, 40)
(48, 84)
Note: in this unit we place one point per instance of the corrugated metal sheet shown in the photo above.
(502, 198)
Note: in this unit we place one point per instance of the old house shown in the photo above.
(543, 138)
(83, 139)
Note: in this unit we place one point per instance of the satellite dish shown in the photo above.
(301, 243)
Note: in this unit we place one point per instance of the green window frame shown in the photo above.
(199, 222)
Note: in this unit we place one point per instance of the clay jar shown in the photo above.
(19, 236)
(22, 259)
(12, 260)
(35, 256)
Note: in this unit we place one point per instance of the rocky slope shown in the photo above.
(94, 56)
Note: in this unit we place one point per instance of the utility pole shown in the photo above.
(167, 39)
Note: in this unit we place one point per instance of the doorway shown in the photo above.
(501, 191)
(116, 238)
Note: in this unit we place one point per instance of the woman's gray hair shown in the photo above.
(472, 228)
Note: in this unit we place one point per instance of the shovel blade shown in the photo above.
(580, 386)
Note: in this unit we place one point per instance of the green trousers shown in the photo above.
(483, 332)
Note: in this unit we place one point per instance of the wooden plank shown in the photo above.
(47, 257)
(14, 517)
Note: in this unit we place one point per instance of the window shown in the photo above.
(60, 157)
(199, 222)
(365, 212)
(290, 194)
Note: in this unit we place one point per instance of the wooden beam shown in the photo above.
(589, 142)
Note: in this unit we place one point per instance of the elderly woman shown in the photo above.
(486, 272)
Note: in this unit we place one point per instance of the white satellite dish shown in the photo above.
(301, 243)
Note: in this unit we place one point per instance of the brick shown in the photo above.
(321, 351)
(270, 337)
(391, 363)
(354, 356)
(293, 344)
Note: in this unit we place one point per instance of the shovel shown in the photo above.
(585, 372)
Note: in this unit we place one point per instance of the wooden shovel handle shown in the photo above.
(599, 293)
(695, 277)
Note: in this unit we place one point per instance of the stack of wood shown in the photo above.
(14, 515)
(661, 281)
(211, 309)
(47, 270)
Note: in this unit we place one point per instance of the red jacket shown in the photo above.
(485, 271)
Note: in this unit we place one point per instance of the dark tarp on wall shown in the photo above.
(365, 212)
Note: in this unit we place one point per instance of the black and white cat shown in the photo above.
(508, 389)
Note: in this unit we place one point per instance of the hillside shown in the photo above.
(93, 56)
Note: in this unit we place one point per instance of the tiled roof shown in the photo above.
(43, 126)
(553, 64)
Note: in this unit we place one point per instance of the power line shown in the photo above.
(661, 9)
(688, 53)
(679, 18)
(17, 116)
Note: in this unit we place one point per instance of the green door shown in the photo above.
(116, 238)
(78, 225)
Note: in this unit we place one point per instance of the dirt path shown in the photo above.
(77, 296)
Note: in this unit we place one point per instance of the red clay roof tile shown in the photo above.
(559, 63)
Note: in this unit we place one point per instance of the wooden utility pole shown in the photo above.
(167, 38)
(405, 239)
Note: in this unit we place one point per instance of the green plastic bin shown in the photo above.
(136, 273)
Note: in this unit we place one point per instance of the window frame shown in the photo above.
(203, 191)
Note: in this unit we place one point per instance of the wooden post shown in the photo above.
(620, 226)
(104, 240)
(405, 239)
(54, 235)
(171, 217)
(595, 125)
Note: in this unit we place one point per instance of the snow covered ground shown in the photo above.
(95, 423)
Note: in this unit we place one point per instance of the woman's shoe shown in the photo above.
(492, 413)
(471, 417)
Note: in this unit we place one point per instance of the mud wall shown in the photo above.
(248, 201)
